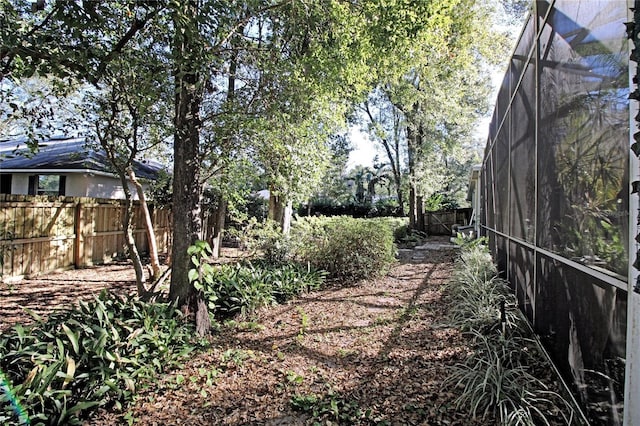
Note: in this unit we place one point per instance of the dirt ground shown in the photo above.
(380, 347)
(45, 294)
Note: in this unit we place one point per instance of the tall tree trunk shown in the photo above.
(399, 193)
(419, 213)
(276, 207)
(280, 212)
(218, 227)
(148, 222)
(286, 218)
(127, 230)
(134, 255)
(413, 219)
(394, 159)
(411, 152)
(187, 188)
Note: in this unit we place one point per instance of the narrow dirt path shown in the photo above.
(377, 351)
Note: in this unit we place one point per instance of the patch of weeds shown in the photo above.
(294, 378)
(130, 418)
(209, 374)
(333, 407)
(250, 326)
(230, 324)
(344, 353)
(382, 321)
(236, 356)
(409, 312)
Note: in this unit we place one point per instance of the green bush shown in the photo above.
(54, 372)
(349, 249)
(244, 287)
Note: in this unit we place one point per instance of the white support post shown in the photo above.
(632, 370)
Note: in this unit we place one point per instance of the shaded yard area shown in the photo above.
(373, 353)
(378, 350)
(45, 294)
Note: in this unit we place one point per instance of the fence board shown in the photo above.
(441, 222)
(43, 234)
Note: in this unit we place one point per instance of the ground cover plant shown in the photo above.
(244, 287)
(96, 354)
(499, 377)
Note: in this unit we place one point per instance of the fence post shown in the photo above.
(78, 248)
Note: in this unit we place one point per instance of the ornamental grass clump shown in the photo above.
(497, 382)
(496, 378)
(483, 300)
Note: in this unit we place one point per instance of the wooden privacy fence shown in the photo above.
(44, 234)
(441, 222)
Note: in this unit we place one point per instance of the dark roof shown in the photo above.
(67, 154)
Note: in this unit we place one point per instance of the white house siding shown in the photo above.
(104, 187)
(76, 185)
(20, 184)
(80, 185)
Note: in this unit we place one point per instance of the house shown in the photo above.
(64, 166)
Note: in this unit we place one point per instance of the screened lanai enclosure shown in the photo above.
(557, 202)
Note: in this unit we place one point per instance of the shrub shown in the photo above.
(240, 289)
(350, 249)
(93, 355)
(399, 226)
(244, 287)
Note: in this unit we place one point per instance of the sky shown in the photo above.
(364, 149)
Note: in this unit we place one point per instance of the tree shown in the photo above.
(436, 91)
(127, 124)
(386, 126)
(305, 58)
(332, 186)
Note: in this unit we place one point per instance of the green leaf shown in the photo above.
(83, 406)
(73, 338)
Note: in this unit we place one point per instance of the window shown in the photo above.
(5, 184)
(47, 185)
